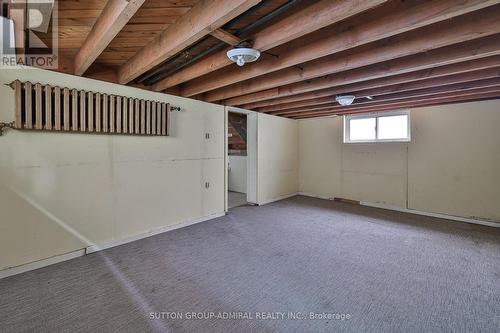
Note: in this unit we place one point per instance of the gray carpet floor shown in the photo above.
(388, 271)
(236, 199)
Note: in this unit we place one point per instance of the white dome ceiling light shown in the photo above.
(345, 100)
(242, 55)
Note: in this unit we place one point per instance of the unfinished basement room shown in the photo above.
(249, 166)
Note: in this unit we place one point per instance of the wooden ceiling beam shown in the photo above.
(415, 104)
(454, 73)
(293, 105)
(307, 20)
(17, 13)
(113, 18)
(388, 89)
(406, 103)
(433, 60)
(201, 20)
(346, 35)
(459, 29)
(226, 37)
(289, 99)
(382, 97)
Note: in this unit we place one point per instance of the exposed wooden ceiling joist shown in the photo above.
(226, 37)
(113, 18)
(490, 92)
(463, 28)
(383, 97)
(401, 102)
(293, 105)
(470, 70)
(312, 18)
(201, 20)
(486, 73)
(17, 15)
(475, 49)
(409, 16)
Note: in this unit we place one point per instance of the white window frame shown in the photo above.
(377, 116)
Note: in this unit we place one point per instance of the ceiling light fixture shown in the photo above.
(242, 55)
(345, 100)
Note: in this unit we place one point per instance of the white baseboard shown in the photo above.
(277, 199)
(312, 195)
(40, 263)
(95, 248)
(412, 211)
(437, 215)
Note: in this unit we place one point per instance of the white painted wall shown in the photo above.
(451, 166)
(278, 157)
(237, 173)
(63, 192)
(454, 160)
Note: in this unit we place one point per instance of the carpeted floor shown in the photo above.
(236, 199)
(385, 271)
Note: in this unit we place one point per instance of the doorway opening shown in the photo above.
(237, 153)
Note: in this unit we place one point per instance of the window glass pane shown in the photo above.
(393, 127)
(362, 129)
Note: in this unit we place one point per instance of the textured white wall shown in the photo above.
(62, 192)
(237, 173)
(451, 166)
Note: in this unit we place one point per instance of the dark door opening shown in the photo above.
(237, 159)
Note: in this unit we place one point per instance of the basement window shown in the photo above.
(377, 127)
